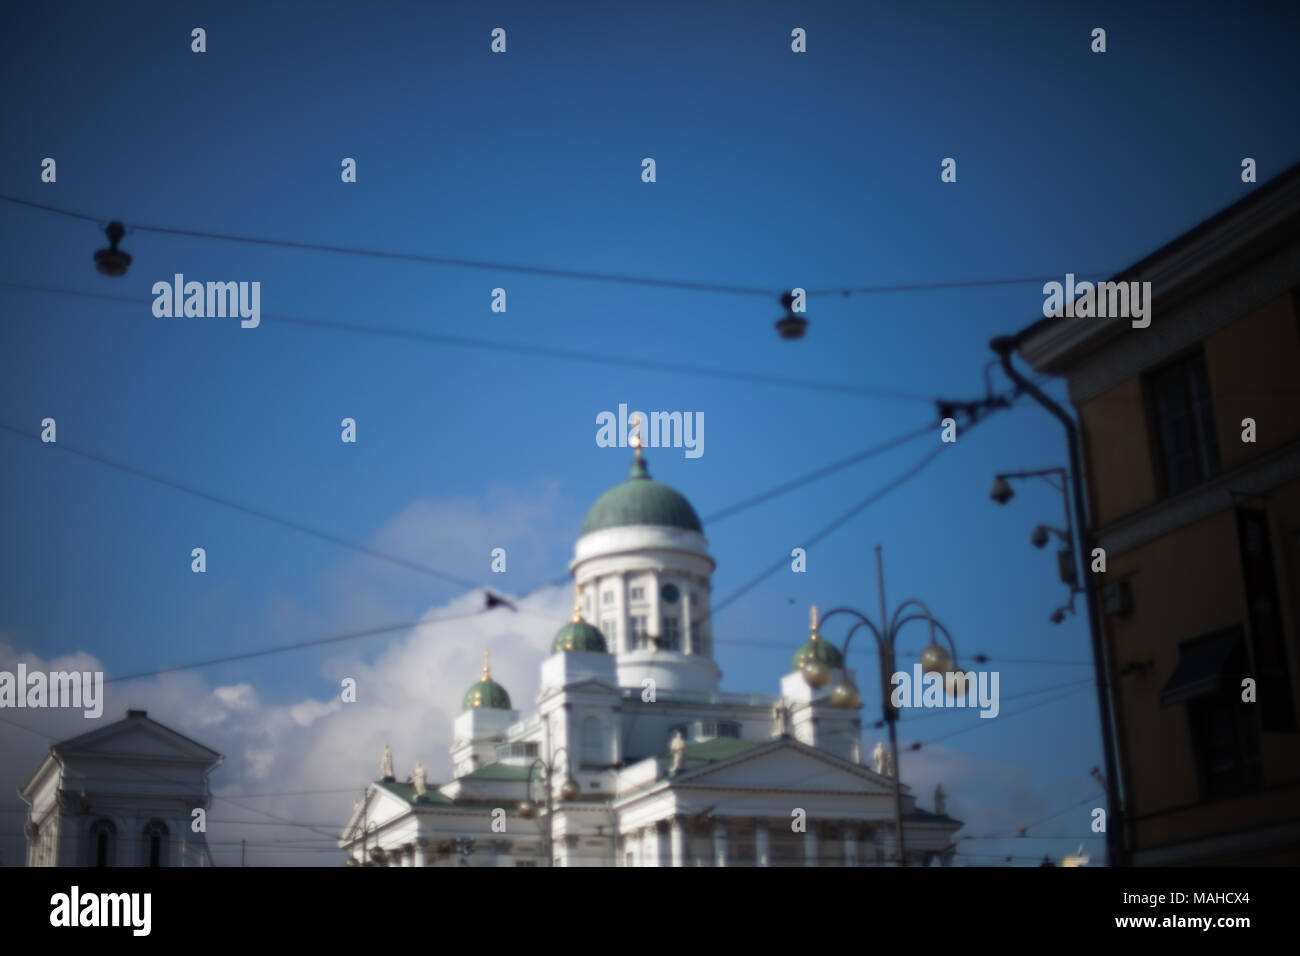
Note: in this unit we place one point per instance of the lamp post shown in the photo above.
(570, 790)
(935, 659)
(1065, 557)
(1003, 346)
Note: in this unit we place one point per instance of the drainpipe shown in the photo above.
(1004, 346)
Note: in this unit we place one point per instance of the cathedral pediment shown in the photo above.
(784, 765)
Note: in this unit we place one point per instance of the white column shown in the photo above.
(762, 844)
(419, 853)
(678, 837)
(408, 855)
(624, 611)
(688, 640)
(719, 843)
(850, 845)
(888, 845)
(654, 620)
(810, 845)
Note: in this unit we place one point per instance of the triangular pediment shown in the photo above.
(380, 806)
(138, 737)
(786, 765)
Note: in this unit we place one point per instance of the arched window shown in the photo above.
(593, 742)
(103, 839)
(155, 843)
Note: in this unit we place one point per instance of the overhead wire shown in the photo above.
(539, 351)
(464, 263)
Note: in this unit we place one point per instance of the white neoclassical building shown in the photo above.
(646, 761)
(121, 795)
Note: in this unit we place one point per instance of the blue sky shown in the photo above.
(774, 170)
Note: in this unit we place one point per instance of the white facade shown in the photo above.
(122, 795)
(740, 793)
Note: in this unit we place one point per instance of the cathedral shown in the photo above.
(127, 794)
(633, 756)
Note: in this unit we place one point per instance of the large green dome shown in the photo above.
(820, 649)
(641, 500)
(579, 636)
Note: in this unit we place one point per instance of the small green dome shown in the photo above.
(821, 649)
(641, 500)
(579, 636)
(487, 694)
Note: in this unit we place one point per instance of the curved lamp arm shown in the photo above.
(555, 759)
(895, 624)
(528, 783)
(863, 621)
(933, 625)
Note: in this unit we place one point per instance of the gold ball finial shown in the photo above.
(813, 616)
(577, 603)
(487, 673)
(634, 438)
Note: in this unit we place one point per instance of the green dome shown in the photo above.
(487, 694)
(822, 649)
(579, 636)
(641, 500)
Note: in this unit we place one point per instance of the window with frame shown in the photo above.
(709, 729)
(636, 637)
(517, 749)
(607, 597)
(103, 837)
(671, 639)
(1267, 633)
(1182, 418)
(636, 594)
(155, 843)
(1225, 736)
(699, 638)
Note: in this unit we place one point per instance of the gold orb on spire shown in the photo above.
(812, 614)
(487, 673)
(577, 603)
(634, 436)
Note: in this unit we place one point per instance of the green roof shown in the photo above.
(488, 694)
(822, 649)
(641, 500)
(579, 636)
(929, 816)
(711, 751)
(407, 792)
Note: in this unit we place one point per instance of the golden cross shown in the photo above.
(634, 439)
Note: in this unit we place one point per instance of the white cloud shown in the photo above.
(407, 697)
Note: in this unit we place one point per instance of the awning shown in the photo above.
(1202, 666)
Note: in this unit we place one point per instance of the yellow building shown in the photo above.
(1190, 432)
